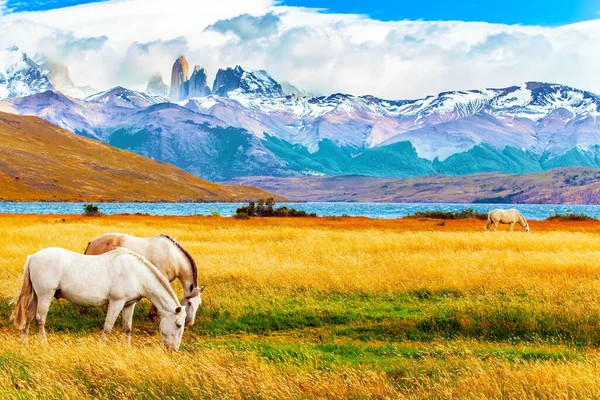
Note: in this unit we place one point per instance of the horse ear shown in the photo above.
(202, 288)
(177, 310)
(191, 287)
(193, 293)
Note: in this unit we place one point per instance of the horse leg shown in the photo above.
(496, 226)
(30, 315)
(512, 226)
(114, 308)
(43, 305)
(128, 322)
(153, 315)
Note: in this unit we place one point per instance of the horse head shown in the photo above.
(172, 324)
(192, 302)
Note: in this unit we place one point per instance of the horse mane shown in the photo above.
(188, 256)
(161, 278)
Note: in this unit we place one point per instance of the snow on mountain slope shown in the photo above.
(513, 116)
(20, 75)
(122, 97)
(243, 81)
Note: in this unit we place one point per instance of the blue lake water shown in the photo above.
(371, 210)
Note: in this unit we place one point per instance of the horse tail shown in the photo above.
(19, 314)
(86, 249)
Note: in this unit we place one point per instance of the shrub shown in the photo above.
(241, 215)
(266, 208)
(464, 214)
(570, 217)
(214, 213)
(91, 210)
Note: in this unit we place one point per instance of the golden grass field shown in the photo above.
(328, 308)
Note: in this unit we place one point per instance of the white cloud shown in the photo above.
(124, 41)
(248, 27)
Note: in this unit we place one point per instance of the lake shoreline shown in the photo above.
(321, 209)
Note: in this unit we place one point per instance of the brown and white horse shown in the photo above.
(119, 279)
(174, 261)
(511, 217)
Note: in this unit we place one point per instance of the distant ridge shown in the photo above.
(42, 162)
(576, 185)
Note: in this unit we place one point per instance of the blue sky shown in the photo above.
(38, 5)
(525, 12)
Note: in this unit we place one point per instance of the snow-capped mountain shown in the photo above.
(20, 75)
(122, 97)
(533, 116)
(241, 81)
(248, 126)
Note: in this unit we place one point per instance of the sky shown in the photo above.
(392, 49)
(526, 12)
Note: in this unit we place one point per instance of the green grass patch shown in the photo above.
(418, 315)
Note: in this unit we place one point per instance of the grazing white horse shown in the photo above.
(167, 255)
(511, 217)
(119, 278)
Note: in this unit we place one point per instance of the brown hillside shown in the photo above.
(42, 162)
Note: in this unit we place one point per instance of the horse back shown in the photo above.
(104, 244)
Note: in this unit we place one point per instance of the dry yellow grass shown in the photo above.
(330, 308)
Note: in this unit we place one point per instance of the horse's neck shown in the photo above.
(158, 295)
(185, 274)
(186, 280)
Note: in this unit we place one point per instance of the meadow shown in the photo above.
(327, 308)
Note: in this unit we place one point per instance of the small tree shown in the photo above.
(91, 210)
(266, 208)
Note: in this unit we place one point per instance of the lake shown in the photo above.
(371, 210)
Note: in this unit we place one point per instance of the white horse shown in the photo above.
(119, 278)
(167, 255)
(511, 217)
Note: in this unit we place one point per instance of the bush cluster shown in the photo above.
(91, 210)
(464, 214)
(570, 217)
(266, 208)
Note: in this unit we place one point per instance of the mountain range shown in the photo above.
(248, 124)
(574, 185)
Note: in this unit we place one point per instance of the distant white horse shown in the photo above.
(167, 255)
(511, 217)
(119, 278)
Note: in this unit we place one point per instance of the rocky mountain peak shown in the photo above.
(197, 86)
(179, 76)
(20, 75)
(58, 74)
(248, 82)
(157, 86)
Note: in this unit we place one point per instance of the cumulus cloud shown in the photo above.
(248, 27)
(142, 60)
(124, 41)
